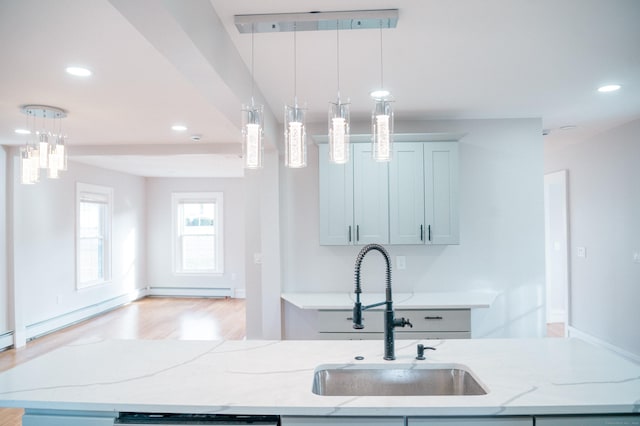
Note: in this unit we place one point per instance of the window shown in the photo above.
(94, 206)
(197, 243)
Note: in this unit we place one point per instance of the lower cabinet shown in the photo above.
(468, 421)
(34, 417)
(631, 419)
(338, 421)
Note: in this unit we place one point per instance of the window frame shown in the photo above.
(89, 192)
(217, 198)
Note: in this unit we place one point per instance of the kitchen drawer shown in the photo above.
(399, 335)
(342, 321)
(437, 319)
(423, 320)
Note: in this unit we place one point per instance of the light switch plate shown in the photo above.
(581, 252)
(636, 257)
(401, 262)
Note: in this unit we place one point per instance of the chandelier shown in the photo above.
(45, 149)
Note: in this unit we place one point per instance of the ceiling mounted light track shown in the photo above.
(317, 21)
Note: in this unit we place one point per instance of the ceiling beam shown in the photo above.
(192, 37)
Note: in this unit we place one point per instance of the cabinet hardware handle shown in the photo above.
(433, 318)
(357, 233)
(421, 232)
(429, 228)
(349, 233)
(349, 318)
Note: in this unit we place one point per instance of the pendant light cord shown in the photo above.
(295, 62)
(252, 81)
(381, 68)
(338, 57)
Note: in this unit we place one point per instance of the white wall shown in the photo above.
(4, 284)
(43, 243)
(604, 207)
(159, 233)
(501, 227)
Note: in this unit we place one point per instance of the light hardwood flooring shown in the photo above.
(555, 329)
(149, 318)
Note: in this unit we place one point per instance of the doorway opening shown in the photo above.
(556, 253)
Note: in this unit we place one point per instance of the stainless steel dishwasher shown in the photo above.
(168, 419)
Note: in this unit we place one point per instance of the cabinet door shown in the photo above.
(441, 192)
(336, 200)
(370, 197)
(406, 194)
(468, 421)
(340, 421)
(595, 420)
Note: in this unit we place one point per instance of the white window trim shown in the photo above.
(99, 191)
(218, 199)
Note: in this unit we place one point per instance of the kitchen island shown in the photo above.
(523, 377)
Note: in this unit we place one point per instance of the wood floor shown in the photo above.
(555, 329)
(149, 318)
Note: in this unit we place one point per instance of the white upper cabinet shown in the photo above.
(336, 200)
(406, 194)
(370, 197)
(411, 200)
(441, 192)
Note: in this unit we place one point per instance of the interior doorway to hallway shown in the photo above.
(556, 252)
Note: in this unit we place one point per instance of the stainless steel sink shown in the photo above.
(395, 380)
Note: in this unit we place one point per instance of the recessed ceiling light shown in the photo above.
(379, 94)
(609, 88)
(78, 71)
(178, 127)
(22, 131)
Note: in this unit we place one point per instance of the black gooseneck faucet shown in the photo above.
(390, 322)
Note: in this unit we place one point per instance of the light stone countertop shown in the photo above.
(523, 376)
(441, 300)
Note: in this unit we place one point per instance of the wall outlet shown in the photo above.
(401, 262)
(257, 258)
(636, 257)
(581, 252)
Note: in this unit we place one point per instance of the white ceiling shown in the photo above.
(183, 61)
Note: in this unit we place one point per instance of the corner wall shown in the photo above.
(604, 207)
(5, 305)
(501, 227)
(43, 247)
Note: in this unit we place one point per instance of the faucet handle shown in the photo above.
(403, 322)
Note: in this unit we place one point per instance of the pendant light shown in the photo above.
(46, 149)
(381, 119)
(252, 127)
(338, 118)
(295, 134)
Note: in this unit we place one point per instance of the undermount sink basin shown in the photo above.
(395, 380)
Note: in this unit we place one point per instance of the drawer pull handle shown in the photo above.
(349, 318)
(433, 318)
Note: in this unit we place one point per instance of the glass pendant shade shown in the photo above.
(339, 133)
(44, 150)
(252, 135)
(295, 137)
(382, 130)
(27, 174)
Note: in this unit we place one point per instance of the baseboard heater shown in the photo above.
(189, 292)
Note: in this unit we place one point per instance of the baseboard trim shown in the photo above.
(574, 332)
(240, 293)
(189, 292)
(56, 323)
(6, 340)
